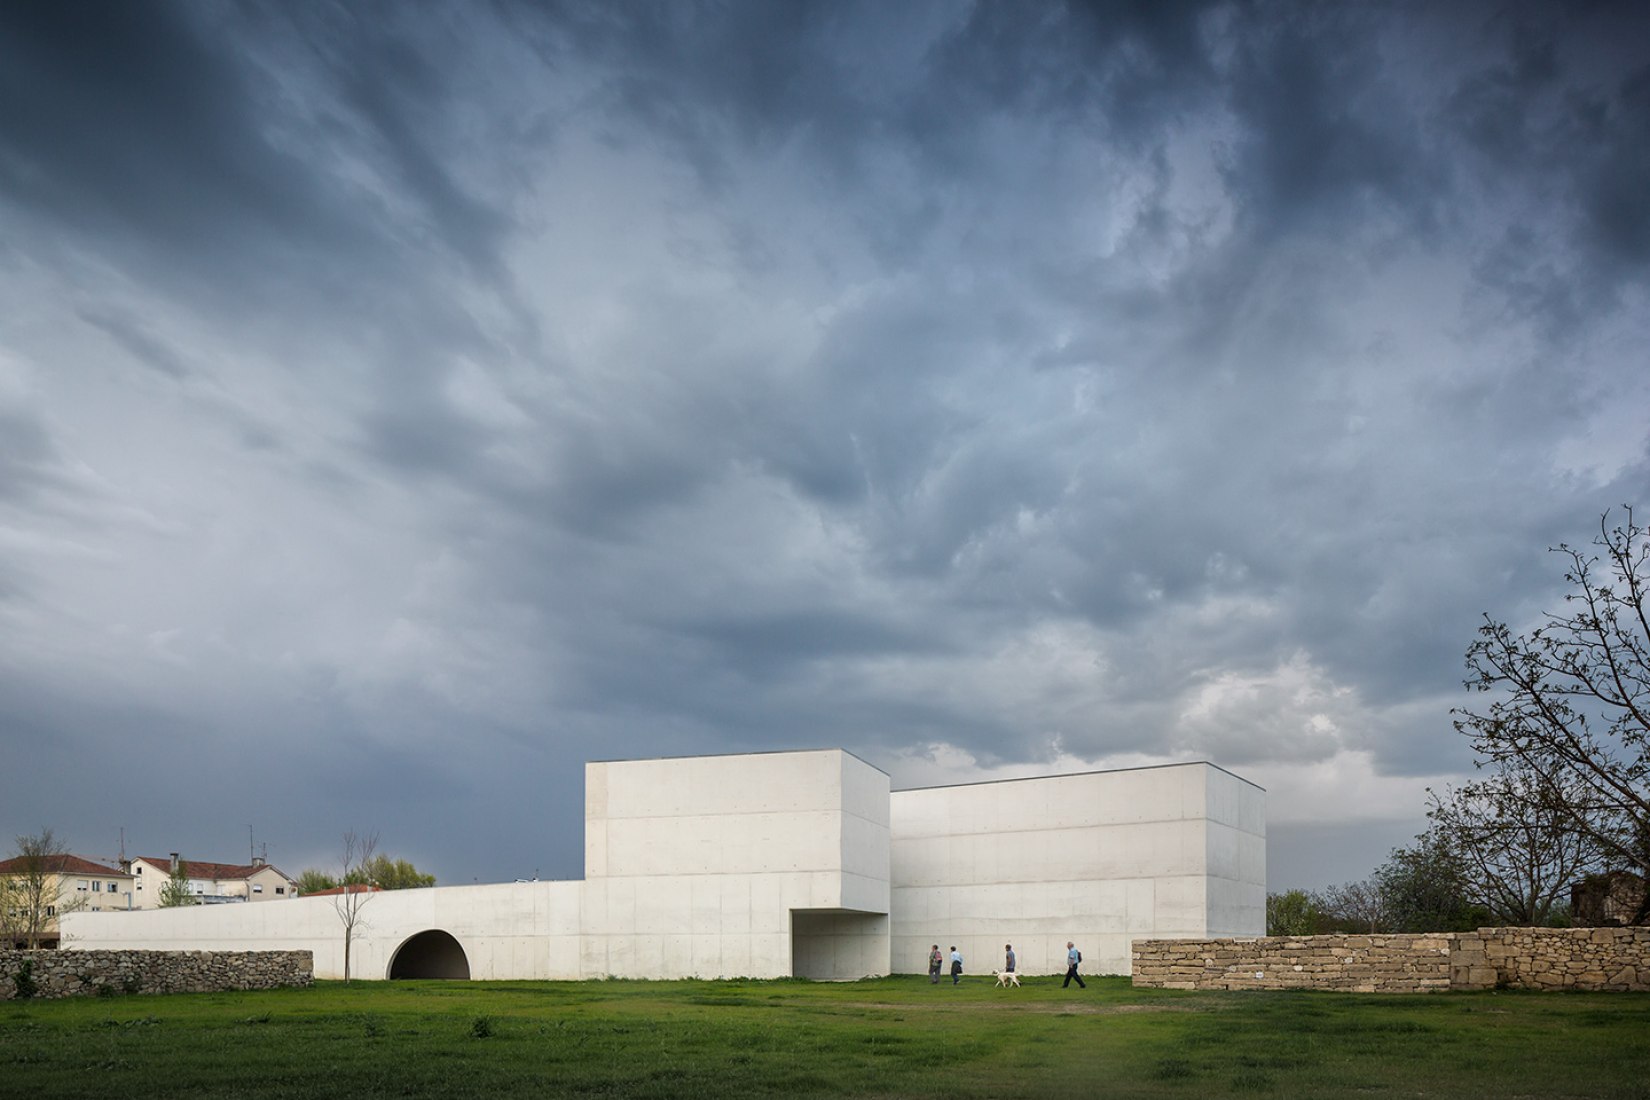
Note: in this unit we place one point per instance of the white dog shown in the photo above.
(1006, 978)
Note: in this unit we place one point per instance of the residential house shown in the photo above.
(37, 891)
(210, 883)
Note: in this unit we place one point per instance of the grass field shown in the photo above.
(890, 1037)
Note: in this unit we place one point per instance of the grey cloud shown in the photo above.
(1159, 379)
(137, 339)
(29, 460)
(1326, 140)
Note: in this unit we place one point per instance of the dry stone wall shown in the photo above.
(106, 973)
(1490, 958)
(1553, 958)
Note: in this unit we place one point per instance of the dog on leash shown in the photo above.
(1006, 978)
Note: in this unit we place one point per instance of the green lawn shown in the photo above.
(891, 1037)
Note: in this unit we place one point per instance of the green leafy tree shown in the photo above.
(175, 891)
(1294, 913)
(395, 874)
(313, 881)
(1569, 699)
(1423, 889)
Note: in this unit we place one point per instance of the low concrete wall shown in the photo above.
(1512, 958)
(90, 973)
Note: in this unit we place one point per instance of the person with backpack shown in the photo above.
(956, 966)
(935, 961)
(1073, 957)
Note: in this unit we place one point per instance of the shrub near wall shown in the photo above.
(1593, 959)
(106, 973)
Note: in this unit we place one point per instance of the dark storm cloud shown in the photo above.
(123, 126)
(427, 399)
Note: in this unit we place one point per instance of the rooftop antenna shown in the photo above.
(251, 848)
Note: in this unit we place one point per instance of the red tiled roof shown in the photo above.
(66, 865)
(199, 868)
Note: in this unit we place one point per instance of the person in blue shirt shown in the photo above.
(1073, 957)
(956, 965)
(1008, 947)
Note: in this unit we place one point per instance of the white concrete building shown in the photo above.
(1099, 859)
(801, 864)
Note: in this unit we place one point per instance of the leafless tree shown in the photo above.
(31, 888)
(1518, 855)
(1360, 904)
(357, 890)
(1571, 706)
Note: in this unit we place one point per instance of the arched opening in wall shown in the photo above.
(431, 954)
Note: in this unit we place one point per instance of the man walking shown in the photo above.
(1009, 967)
(956, 965)
(935, 961)
(1073, 957)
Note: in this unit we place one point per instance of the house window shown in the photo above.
(81, 886)
(280, 889)
(97, 888)
(257, 889)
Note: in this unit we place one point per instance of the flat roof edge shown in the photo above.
(724, 755)
(1096, 771)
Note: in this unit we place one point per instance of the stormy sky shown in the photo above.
(402, 404)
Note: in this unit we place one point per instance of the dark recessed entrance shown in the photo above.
(432, 954)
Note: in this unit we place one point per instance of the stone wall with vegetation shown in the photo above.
(26, 974)
(1490, 958)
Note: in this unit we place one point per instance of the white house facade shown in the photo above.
(800, 864)
(209, 883)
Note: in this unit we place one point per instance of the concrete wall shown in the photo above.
(695, 867)
(511, 930)
(1101, 859)
(1595, 959)
(1235, 854)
